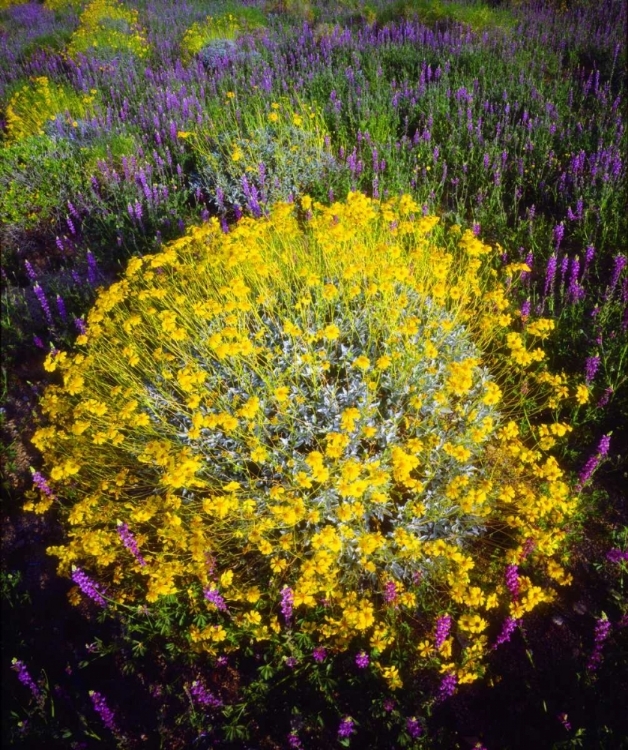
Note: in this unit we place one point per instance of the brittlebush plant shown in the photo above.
(108, 27)
(316, 411)
(35, 104)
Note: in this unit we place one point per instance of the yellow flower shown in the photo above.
(472, 623)
(362, 362)
(281, 394)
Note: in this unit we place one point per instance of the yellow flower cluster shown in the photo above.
(33, 105)
(197, 36)
(108, 26)
(319, 405)
(200, 34)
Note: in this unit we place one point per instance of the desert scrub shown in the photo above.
(308, 428)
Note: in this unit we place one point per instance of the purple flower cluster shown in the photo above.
(63, 314)
(294, 741)
(92, 269)
(88, 587)
(616, 555)
(24, 677)
(618, 266)
(605, 398)
(102, 709)
(130, 542)
(443, 626)
(512, 580)
(550, 275)
(447, 686)
(390, 592)
(319, 654)
(362, 660)
(346, 728)
(508, 628)
(216, 599)
(287, 601)
(40, 482)
(43, 301)
(602, 631)
(591, 367)
(414, 727)
(594, 461)
(203, 696)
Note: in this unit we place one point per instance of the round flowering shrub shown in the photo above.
(304, 431)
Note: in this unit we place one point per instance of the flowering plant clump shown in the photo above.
(219, 28)
(262, 155)
(107, 26)
(307, 425)
(34, 105)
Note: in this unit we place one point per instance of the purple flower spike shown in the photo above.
(61, 308)
(88, 587)
(447, 686)
(588, 257)
(92, 269)
(591, 367)
(347, 727)
(41, 296)
(103, 710)
(618, 266)
(414, 727)
(40, 482)
(443, 626)
(216, 599)
(512, 580)
(203, 696)
(591, 465)
(602, 631)
(30, 272)
(362, 660)
(605, 398)
(287, 600)
(390, 592)
(550, 275)
(559, 233)
(319, 654)
(508, 628)
(130, 543)
(24, 677)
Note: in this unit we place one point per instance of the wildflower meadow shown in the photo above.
(315, 374)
